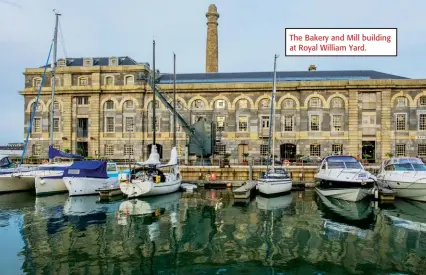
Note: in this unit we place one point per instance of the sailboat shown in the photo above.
(275, 180)
(149, 179)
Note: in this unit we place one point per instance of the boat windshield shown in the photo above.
(343, 162)
(410, 167)
(5, 162)
(111, 167)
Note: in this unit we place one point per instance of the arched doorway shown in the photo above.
(159, 149)
(288, 151)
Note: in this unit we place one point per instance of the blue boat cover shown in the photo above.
(87, 169)
(55, 153)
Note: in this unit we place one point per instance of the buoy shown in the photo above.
(213, 176)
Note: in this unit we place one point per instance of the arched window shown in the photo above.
(289, 103)
(337, 102)
(129, 104)
(109, 105)
(401, 101)
(129, 80)
(315, 102)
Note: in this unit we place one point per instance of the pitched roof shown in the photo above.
(281, 76)
(98, 61)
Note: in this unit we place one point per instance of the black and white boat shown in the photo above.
(343, 177)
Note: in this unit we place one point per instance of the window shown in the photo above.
(401, 101)
(55, 106)
(37, 125)
(36, 150)
(288, 103)
(109, 150)
(264, 149)
(129, 124)
(82, 81)
(129, 80)
(421, 150)
(315, 150)
(337, 102)
(265, 122)
(56, 124)
(220, 123)
(109, 80)
(400, 150)
(401, 122)
(337, 149)
(87, 62)
(220, 149)
(422, 101)
(369, 100)
(198, 104)
(129, 104)
(242, 124)
(109, 105)
(82, 100)
(37, 82)
(128, 150)
(337, 123)
(315, 122)
(220, 104)
(113, 61)
(422, 122)
(288, 123)
(62, 63)
(314, 102)
(57, 83)
(109, 124)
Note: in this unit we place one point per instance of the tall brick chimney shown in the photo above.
(212, 49)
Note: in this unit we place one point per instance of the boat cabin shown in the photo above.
(403, 164)
(5, 162)
(340, 162)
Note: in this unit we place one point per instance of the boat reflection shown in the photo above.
(280, 202)
(407, 214)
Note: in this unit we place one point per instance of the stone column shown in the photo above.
(212, 51)
(386, 123)
(353, 127)
(67, 123)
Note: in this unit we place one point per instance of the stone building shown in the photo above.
(103, 108)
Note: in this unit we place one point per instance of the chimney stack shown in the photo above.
(212, 51)
(312, 68)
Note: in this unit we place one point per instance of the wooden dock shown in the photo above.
(244, 191)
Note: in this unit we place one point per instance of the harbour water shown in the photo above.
(208, 232)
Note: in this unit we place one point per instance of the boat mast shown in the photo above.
(272, 119)
(174, 100)
(153, 92)
(52, 105)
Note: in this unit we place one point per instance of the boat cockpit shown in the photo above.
(5, 162)
(340, 162)
(404, 164)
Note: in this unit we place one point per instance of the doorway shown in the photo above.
(159, 149)
(242, 149)
(369, 151)
(288, 152)
(82, 148)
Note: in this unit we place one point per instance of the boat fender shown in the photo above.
(69, 182)
(363, 183)
(42, 182)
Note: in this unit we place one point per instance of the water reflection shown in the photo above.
(204, 233)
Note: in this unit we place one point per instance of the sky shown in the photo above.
(250, 33)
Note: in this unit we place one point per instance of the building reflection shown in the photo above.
(185, 233)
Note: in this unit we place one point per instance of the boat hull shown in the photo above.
(87, 186)
(49, 185)
(347, 194)
(139, 188)
(407, 190)
(10, 183)
(267, 187)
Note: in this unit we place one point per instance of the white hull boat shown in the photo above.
(343, 177)
(406, 176)
(15, 183)
(151, 181)
(274, 182)
(50, 185)
(87, 186)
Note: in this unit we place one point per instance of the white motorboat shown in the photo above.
(405, 175)
(343, 177)
(275, 180)
(85, 177)
(150, 180)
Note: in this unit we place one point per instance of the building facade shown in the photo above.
(103, 108)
